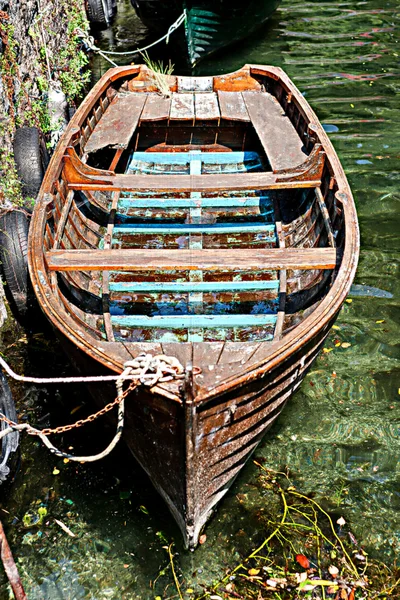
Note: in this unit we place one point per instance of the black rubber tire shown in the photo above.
(9, 444)
(113, 9)
(14, 258)
(101, 13)
(31, 159)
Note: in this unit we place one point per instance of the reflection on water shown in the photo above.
(339, 435)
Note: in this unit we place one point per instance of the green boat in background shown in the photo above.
(210, 24)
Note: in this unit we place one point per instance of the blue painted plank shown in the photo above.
(206, 228)
(218, 202)
(193, 321)
(189, 286)
(183, 170)
(183, 158)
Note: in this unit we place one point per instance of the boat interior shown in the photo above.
(211, 214)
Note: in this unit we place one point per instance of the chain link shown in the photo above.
(92, 417)
(147, 369)
(77, 424)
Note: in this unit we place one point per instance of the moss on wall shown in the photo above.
(39, 48)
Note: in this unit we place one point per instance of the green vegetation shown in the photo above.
(26, 101)
(72, 63)
(10, 186)
(306, 554)
(67, 65)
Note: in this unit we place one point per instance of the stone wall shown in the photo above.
(39, 50)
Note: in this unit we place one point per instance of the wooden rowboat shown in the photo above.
(214, 225)
(210, 26)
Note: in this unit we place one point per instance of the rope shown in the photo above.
(145, 369)
(89, 41)
(89, 379)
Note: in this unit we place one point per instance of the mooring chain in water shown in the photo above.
(146, 370)
(89, 41)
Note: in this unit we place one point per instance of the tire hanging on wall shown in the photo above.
(101, 13)
(9, 444)
(31, 159)
(14, 258)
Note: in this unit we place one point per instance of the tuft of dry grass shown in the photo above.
(160, 73)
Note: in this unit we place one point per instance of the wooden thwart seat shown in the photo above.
(187, 260)
(194, 321)
(188, 183)
(193, 286)
(80, 177)
(216, 202)
(184, 158)
(280, 140)
(118, 123)
(211, 229)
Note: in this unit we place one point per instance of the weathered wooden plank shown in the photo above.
(118, 123)
(206, 353)
(217, 202)
(195, 84)
(232, 106)
(153, 260)
(193, 321)
(187, 183)
(195, 243)
(193, 286)
(182, 351)
(182, 107)
(206, 107)
(280, 140)
(157, 108)
(184, 158)
(234, 352)
(133, 349)
(205, 228)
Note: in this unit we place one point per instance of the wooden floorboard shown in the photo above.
(232, 106)
(157, 108)
(234, 352)
(206, 106)
(182, 107)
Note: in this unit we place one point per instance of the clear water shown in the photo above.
(340, 433)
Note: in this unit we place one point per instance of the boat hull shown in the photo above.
(209, 26)
(192, 452)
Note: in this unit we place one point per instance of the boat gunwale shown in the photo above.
(276, 351)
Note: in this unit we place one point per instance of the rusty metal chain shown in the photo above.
(80, 422)
(146, 369)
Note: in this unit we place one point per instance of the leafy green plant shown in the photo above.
(306, 554)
